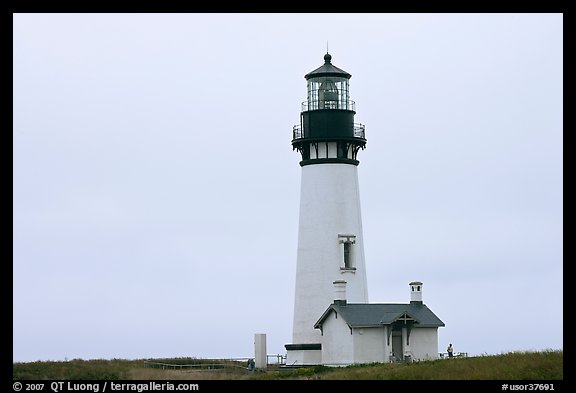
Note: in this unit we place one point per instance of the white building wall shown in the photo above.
(337, 342)
(325, 150)
(405, 343)
(369, 345)
(387, 344)
(332, 150)
(303, 357)
(329, 205)
(424, 343)
(321, 151)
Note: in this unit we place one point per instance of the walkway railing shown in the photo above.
(444, 355)
(200, 366)
(313, 105)
(215, 364)
(280, 360)
(359, 131)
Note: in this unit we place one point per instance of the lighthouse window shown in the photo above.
(343, 150)
(347, 252)
(306, 152)
(347, 256)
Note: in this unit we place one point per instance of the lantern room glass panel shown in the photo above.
(328, 93)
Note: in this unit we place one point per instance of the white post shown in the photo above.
(387, 348)
(260, 351)
(404, 342)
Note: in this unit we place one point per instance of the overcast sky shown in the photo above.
(156, 192)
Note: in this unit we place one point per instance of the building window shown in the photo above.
(347, 255)
(347, 243)
(306, 152)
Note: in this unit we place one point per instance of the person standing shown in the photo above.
(450, 351)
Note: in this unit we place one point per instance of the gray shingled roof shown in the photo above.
(378, 314)
(327, 69)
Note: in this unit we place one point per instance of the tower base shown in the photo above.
(303, 355)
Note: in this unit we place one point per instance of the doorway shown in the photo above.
(397, 349)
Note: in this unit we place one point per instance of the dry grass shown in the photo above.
(545, 365)
(196, 375)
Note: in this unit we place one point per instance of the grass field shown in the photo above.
(544, 365)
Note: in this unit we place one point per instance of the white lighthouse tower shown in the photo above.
(330, 241)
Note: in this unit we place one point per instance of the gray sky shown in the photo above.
(156, 192)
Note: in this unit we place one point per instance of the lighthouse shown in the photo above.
(330, 241)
